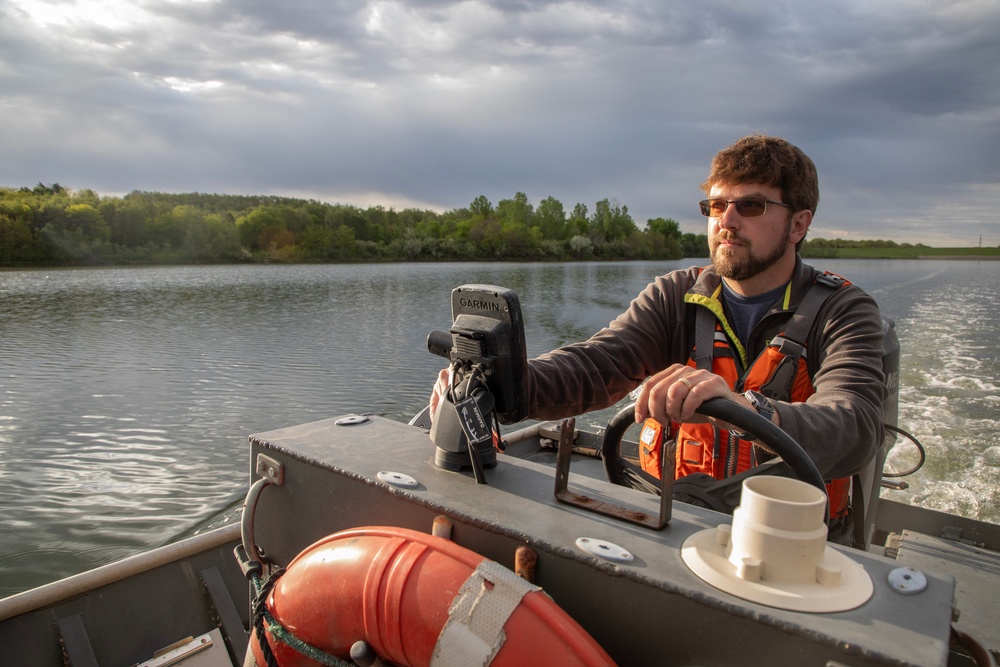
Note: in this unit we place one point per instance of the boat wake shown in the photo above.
(949, 396)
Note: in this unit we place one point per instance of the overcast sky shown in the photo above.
(432, 103)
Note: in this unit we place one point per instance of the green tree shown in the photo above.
(259, 228)
(517, 211)
(611, 221)
(51, 224)
(488, 237)
(667, 227)
(551, 218)
(317, 242)
(481, 207)
(354, 219)
(694, 245)
(214, 239)
(520, 242)
(54, 189)
(343, 242)
(130, 221)
(17, 242)
(663, 239)
(88, 221)
(578, 225)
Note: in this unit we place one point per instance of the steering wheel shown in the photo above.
(721, 495)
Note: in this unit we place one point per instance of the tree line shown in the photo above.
(52, 225)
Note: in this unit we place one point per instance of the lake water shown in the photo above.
(127, 394)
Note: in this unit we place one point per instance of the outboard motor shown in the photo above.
(890, 366)
(868, 482)
(488, 363)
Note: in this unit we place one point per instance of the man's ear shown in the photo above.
(800, 225)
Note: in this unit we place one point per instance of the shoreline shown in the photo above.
(990, 258)
(993, 255)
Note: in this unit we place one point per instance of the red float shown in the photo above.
(419, 600)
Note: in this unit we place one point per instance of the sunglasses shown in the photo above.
(748, 207)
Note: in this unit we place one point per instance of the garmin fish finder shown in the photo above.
(488, 367)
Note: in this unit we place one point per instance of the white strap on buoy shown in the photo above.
(474, 632)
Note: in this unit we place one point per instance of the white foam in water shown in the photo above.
(949, 398)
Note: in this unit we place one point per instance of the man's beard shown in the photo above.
(750, 266)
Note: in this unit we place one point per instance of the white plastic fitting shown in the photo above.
(776, 552)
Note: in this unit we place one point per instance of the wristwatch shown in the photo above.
(759, 403)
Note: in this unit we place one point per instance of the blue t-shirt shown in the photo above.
(746, 311)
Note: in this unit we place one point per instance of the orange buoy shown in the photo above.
(419, 600)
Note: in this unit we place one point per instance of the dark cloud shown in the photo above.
(435, 102)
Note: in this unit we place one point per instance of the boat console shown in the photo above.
(626, 584)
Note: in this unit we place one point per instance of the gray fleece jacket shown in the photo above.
(840, 426)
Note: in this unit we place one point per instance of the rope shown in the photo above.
(262, 617)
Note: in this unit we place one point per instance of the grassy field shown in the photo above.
(905, 253)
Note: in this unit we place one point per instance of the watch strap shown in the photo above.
(759, 403)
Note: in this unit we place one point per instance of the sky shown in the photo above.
(431, 103)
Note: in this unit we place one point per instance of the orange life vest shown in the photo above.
(780, 372)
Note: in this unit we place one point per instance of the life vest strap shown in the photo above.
(779, 386)
(704, 339)
(791, 343)
(805, 315)
(789, 347)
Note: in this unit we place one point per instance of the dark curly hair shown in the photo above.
(769, 161)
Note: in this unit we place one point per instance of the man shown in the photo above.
(762, 196)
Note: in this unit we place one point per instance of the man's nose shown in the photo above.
(729, 218)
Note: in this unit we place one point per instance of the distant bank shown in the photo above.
(911, 252)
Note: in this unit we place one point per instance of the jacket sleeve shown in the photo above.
(600, 371)
(840, 426)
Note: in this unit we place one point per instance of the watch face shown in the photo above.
(759, 402)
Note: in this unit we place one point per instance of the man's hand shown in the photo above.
(439, 390)
(675, 393)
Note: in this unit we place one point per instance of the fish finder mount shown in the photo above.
(488, 369)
